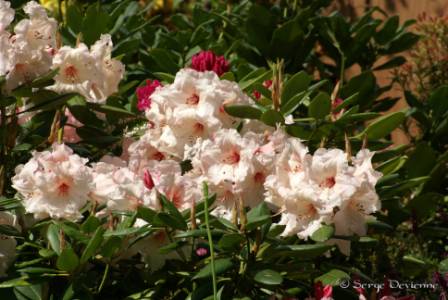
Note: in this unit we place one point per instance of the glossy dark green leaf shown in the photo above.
(401, 43)
(324, 233)
(258, 216)
(333, 277)
(221, 265)
(94, 24)
(93, 245)
(74, 18)
(320, 106)
(231, 241)
(438, 101)
(268, 277)
(53, 238)
(425, 204)
(67, 260)
(91, 224)
(303, 251)
(392, 165)
(387, 32)
(392, 63)
(31, 292)
(272, 118)
(243, 111)
(384, 125)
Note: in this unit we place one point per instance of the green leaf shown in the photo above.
(401, 42)
(303, 251)
(164, 59)
(94, 24)
(248, 84)
(91, 224)
(289, 33)
(272, 117)
(172, 210)
(221, 265)
(231, 241)
(320, 106)
(146, 214)
(392, 63)
(168, 78)
(393, 165)
(53, 238)
(426, 158)
(426, 204)
(260, 24)
(324, 233)
(74, 18)
(9, 230)
(333, 277)
(292, 104)
(268, 277)
(170, 221)
(21, 281)
(111, 246)
(31, 292)
(67, 260)
(388, 31)
(438, 101)
(258, 216)
(243, 111)
(443, 266)
(93, 245)
(384, 125)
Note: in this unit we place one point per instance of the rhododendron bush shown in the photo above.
(214, 151)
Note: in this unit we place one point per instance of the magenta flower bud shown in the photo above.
(147, 179)
(201, 251)
(144, 94)
(209, 61)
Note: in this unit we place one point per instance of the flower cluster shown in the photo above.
(32, 51)
(187, 122)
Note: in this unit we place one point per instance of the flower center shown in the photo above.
(193, 99)
(329, 182)
(63, 189)
(71, 72)
(158, 156)
(232, 158)
(198, 128)
(259, 177)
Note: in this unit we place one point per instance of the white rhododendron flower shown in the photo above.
(191, 108)
(6, 14)
(227, 162)
(54, 183)
(311, 190)
(91, 73)
(117, 186)
(37, 32)
(7, 243)
(29, 53)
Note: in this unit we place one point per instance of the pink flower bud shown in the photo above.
(209, 61)
(147, 179)
(144, 94)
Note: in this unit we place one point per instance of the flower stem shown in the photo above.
(210, 241)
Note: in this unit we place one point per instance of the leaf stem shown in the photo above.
(210, 241)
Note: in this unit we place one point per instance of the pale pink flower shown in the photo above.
(54, 183)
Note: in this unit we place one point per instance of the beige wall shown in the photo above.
(405, 9)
